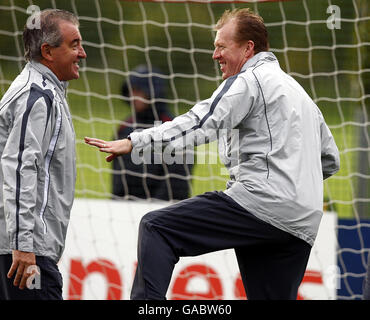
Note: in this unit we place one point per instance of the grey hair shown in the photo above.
(47, 32)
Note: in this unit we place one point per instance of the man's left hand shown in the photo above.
(21, 263)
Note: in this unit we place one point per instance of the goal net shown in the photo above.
(164, 49)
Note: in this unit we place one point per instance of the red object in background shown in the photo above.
(180, 290)
(79, 272)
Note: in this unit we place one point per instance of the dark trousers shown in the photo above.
(272, 262)
(47, 287)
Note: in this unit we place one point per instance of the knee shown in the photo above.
(147, 221)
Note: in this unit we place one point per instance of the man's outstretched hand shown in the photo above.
(115, 148)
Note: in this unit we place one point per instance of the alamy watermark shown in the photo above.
(334, 20)
(34, 280)
(33, 22)
(332, 277)
(183, 150)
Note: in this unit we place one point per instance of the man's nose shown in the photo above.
(82, 54)
(216, 54)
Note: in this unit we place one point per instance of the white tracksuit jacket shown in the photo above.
(278, 151)
(38, 168)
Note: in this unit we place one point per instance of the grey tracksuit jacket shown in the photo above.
(273, 141)
(38, 168)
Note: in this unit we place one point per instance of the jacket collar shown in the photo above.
(265, 55)
(50, 75)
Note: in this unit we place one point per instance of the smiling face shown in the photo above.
(63, 60)
(230, 54)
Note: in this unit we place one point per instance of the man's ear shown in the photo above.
(249, 51)
(46, 52)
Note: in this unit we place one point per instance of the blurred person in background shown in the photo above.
(38, 162)
(146, 89)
